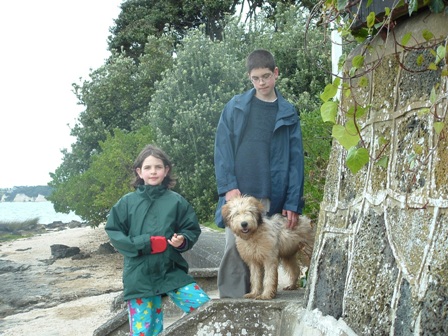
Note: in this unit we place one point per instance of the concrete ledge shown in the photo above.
(242, 317)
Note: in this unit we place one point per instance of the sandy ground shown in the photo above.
(80, 292)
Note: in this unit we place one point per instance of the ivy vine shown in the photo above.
(345, 17)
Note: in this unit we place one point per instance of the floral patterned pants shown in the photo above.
(146, 315)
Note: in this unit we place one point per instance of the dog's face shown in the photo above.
(243, 215)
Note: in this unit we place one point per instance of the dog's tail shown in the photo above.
(307, 234)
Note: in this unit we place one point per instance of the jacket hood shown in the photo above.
(151, 192)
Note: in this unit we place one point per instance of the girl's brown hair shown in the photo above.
(150, 150)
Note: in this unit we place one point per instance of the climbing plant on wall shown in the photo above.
(364, 22)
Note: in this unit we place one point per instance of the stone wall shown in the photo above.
(380, 261)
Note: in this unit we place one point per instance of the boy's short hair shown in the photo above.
(260, 59)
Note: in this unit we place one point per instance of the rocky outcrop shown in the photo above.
(40, 273)
(25, 198)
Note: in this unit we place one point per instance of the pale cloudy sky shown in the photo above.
(45, 47)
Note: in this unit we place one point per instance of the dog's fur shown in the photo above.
(263, 242)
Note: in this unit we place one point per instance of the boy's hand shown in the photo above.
(232, 193)
(292, 218)
(176, 240)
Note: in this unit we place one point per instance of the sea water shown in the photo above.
(21, 211)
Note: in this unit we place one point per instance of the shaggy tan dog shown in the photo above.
(263, 242)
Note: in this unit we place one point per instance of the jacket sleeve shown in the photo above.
(294, 197)
(117, 228)
(188, 226)
(224, 152)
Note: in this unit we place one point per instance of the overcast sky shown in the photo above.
(45, 47)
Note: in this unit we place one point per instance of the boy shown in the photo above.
(258, 152)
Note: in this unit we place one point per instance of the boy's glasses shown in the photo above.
(262, 79)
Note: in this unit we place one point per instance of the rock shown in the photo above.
(56, 225)
(63, 251)
(75, 224)
(7, 266)
(81, 256)
(39, 292)
(106, 248)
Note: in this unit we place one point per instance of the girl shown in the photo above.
(150, 227)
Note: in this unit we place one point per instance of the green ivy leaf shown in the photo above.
(413, 6)
(438, 126)
(427, 35)
(358, 61)
(352, 71)
(406, 38)
(432, 66)
(436, 6)
(347, 93)
(361, 35)
(351, 127)
(420, 60)
(418, 149)
(336, 82)
(423, 111)
(346, 139)
(411, 160)
(370, 19)
(363, 82)
(341, 4)
(382, 141)
(369, 2)
(360, 111)
(441, 52)
(433, 95)
(329, 92)
(328, 111)
(356, 159)
(386, 11)
(383, 161)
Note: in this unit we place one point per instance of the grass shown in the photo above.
(212, 226)
(11, 230)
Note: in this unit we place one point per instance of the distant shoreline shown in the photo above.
(26, 229)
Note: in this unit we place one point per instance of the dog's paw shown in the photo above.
(265, 297)
(290, 287)
(251, 295)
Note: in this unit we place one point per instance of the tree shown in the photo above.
(139, 19)
(92, 193)
(189, 99)
(186, 108)
(114, 97)
(183, 104)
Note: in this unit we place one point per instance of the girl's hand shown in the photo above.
(176, 240)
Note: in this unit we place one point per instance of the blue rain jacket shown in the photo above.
(287, 161)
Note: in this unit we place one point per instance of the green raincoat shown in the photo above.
(152, 211)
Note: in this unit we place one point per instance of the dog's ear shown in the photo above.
(260, 211)
(225, 211)
(260, 218)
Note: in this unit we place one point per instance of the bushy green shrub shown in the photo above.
(188, 101)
